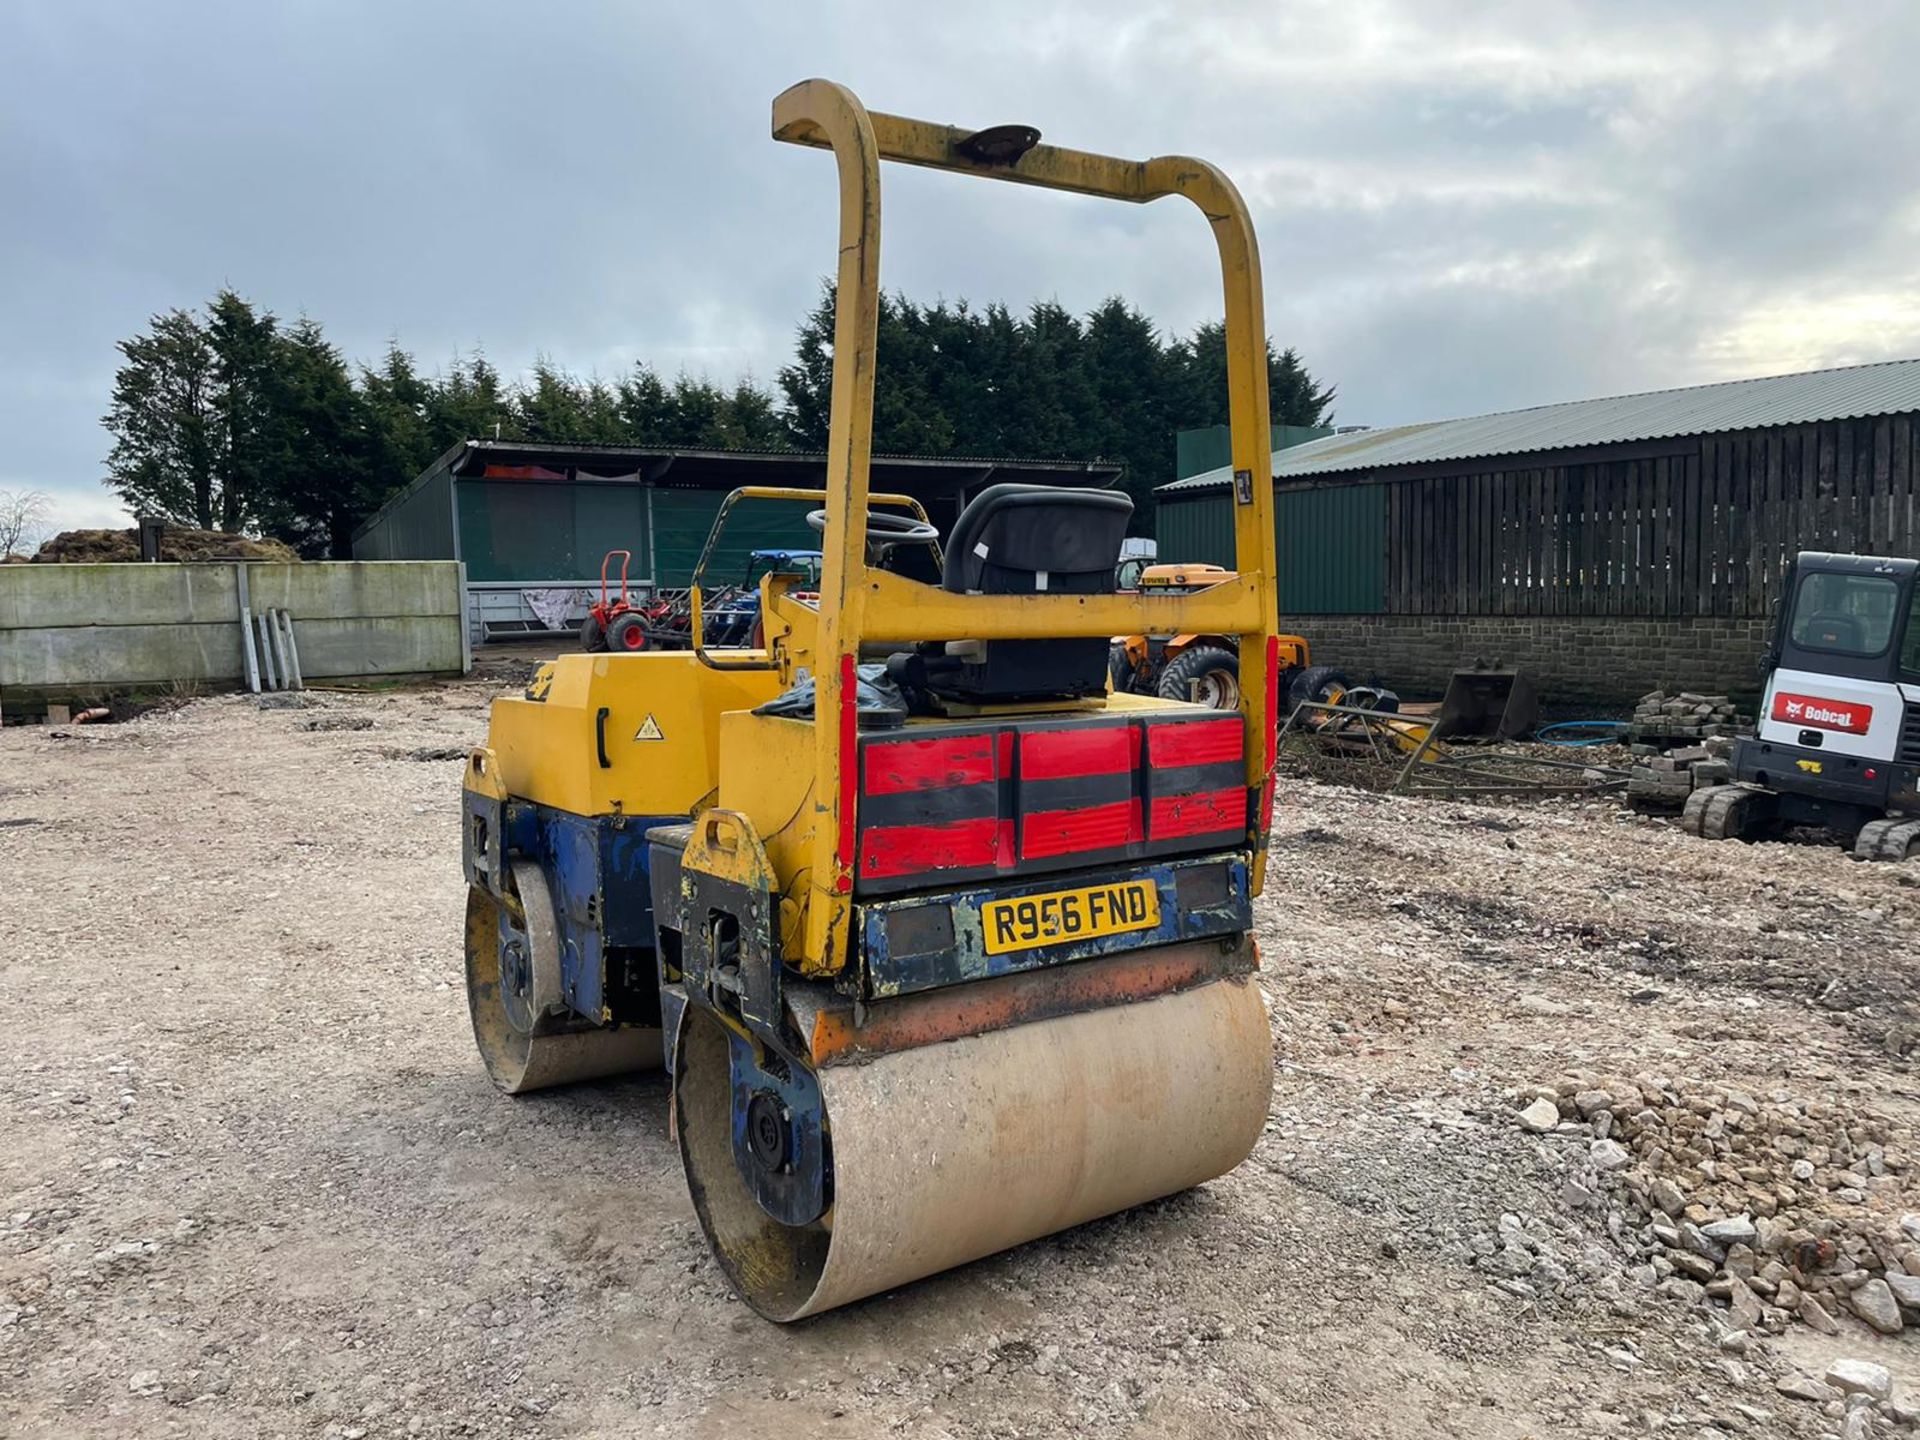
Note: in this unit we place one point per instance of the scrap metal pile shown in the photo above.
(1470, 743)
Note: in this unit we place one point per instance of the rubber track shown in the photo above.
(1709, 812)
(1886, 839)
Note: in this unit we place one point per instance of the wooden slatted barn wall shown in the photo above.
(1705, 528)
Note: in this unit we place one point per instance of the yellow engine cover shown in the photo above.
(635, 733)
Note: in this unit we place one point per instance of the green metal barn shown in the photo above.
(532, 522)
(1607, 546)
(1327, 540)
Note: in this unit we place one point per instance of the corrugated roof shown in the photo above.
(664, 459)
(580, 451)
(1843, 394)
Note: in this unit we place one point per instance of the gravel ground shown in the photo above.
(255, 1183)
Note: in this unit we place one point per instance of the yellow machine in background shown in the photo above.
(1206, 668)
(943, 946)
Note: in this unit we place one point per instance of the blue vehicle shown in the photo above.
(733, 616)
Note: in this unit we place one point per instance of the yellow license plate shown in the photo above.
(1069, 915)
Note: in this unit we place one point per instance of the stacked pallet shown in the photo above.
(1662, 722)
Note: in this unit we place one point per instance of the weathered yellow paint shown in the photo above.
(766, 775)
(792, 626)
(857, 604)
(899, 609)
(547, 750)
(1125, 701)
(483, 774)
(1180, 578)
(725, 844)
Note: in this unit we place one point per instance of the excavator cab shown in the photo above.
(1837, 744)
(942, 946)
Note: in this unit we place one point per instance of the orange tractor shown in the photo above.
(1205, 669)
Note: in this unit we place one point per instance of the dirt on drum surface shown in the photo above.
(253, 1181)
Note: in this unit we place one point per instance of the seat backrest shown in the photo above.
(1835, 631)
(1015, 539)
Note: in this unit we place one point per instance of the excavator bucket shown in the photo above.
(1487, 703)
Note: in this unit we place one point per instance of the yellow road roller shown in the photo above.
(943, 946)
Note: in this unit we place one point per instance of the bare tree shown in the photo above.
(23, 520)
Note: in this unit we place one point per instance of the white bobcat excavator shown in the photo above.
(1838, 739)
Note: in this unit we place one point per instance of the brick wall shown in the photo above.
(1604, 661)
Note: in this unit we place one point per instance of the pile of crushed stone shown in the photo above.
(1775, 1207)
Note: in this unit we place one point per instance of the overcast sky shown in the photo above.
(1462, 207)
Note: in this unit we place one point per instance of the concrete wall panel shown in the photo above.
(92, 628)
(381, 645)
(106, 656)
(57, 596)
(342, 588)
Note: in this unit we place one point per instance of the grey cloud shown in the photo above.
(1463, 207)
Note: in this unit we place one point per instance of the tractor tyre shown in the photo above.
(592, 637)
(1205, 675)
(627, 635)
(1325, 683)
(1120, 673)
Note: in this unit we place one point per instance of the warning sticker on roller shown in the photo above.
(649, 730)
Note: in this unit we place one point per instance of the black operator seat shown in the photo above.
(1028, 540)
(1835, 632)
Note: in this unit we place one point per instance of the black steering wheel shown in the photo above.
(887, 527)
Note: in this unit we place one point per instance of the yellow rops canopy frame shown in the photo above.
(859, 604)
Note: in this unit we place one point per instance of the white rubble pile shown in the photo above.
(1753, 1211)
(1775, 1208)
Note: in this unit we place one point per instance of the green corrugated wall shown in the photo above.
(418, 526)
(1197, 531)
(535, 531)
(1330, 544)
(532, 531)
(682, 518)
(1331, 548)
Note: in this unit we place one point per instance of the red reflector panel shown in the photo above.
(1210, 812)
(894, 766)
(1093, 827)
(1194, 742)
(913, 849)
(1063, 754)
(1823, 714)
